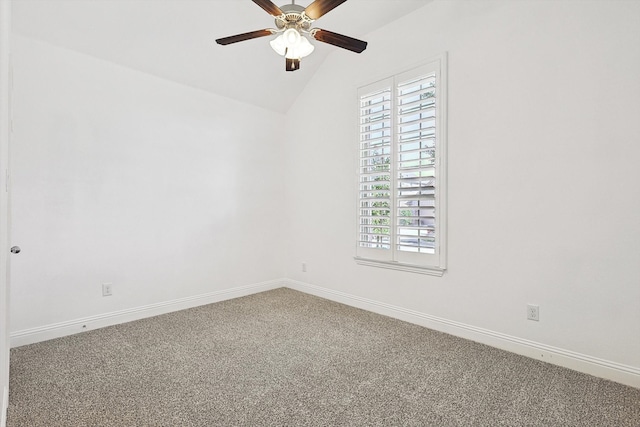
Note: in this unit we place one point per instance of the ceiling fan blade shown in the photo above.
(319, 7)
(270, 7)
(339, 40)
(244, 36)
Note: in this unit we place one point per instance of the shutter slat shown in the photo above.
(417, 96)
(428, 104)
(376, 134)
(376, 99)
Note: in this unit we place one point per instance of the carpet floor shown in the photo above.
(285, 358)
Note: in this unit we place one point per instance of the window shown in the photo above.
(402, 171)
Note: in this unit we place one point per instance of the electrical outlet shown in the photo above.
(304, 267)
(107, 289)
(533, 312)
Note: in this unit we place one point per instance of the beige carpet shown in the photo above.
(284, 358)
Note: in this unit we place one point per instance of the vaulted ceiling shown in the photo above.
(175, 39)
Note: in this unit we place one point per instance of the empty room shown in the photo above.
(319, 213)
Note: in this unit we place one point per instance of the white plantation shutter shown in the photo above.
(416, 165)
(401, 202)
(375, 170)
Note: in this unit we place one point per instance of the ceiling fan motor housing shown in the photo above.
(293, 18)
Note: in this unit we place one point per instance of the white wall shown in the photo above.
(544, 183)
(163, 190)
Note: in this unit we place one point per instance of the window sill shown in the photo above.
(430, 270)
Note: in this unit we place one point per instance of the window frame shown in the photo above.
(431, 264)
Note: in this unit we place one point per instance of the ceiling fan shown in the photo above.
(293, 24)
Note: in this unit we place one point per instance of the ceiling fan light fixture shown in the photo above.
(291, 44)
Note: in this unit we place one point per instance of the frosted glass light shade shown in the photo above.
(291, 37)
(302, 49)
(278, 45)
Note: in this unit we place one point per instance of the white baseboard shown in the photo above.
(624, 374)
(57, 330)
